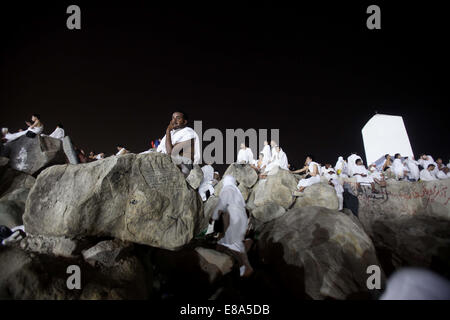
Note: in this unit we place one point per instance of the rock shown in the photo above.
(318, 253)
(41, 277)
(106, 253)
(268, 212)
(3, 164)
(138, 198)
(57, 246)
(69, 150)
(32, 155)
(276, 188)
(243, 173)
(11, 213)
(210, 205)
(410, 224)
(244, 191)
(222, 261)
(11, 180)
(319, 194)
(195, 177)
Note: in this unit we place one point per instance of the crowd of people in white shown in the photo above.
(182, 143)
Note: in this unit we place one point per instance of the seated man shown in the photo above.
(58, 133)
(362, 175)
(245, 155)
(266, 153)
(34, 129)
(313, 174)
(398, 168)
(121, 151)
(413, 169)
(428, 173)
(181, 142)
(441, 170)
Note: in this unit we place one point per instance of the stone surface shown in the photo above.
(69, 150)
(243, 173)
(276, 188)
(138, 198)
(31, 155)
(106, 253)
(319, 194)
(11, 180)
(318, 253)
(41, 277)
(57, 246)
(410, 223)
(195, 177)
(268, 212)
(11, 213)
(222, 261)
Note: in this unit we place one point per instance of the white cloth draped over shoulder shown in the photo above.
(313, 179)
(245, 156)
(413, 168)
(121, 151)
(426, 175)
(351, 165)
(283, 160)
(207, 181)
(58, 133)
(398, 168)
(181, 135)
(358, 170)
(231, 201)
(267, 155)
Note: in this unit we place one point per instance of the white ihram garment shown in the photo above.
(312, 180)
(181, 135)
(231, 201)
(207, 181)
(358, 170)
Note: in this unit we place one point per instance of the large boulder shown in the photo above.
(11, 213)
(244, 174)
(318, 253)
(31, 155)
(34, 276)
(319, 194)
(69, 150)
(12, 180)
(136, 198)
(55, 246)
(410, 223)
(276, 188)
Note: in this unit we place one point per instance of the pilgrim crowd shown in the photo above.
(182, 143)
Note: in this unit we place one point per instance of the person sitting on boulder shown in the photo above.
(58, 133)
(121, 150)
(362, 175)
(398, 168)
(245, 155)
(428, 173)
(377, 176)
(387, 162)
(312, 176)
(442, 170)
(181, 142)
(232, 214)
(34, 129)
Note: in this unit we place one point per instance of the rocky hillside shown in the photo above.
(134, 227)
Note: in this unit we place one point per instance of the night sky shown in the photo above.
(313, 71)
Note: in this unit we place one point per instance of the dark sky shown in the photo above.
(313, 71)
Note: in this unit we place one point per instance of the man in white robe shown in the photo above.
(330, 174)
(283, 160)
(232, 204)
(398, 168)
(442, 170)
(313, 174)
(428, 173)
(245, 155)
(207, 182)
(362, 176)
(180, 141)
(266, 153)
(351, 163)
(413, 169)
(58, 133)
